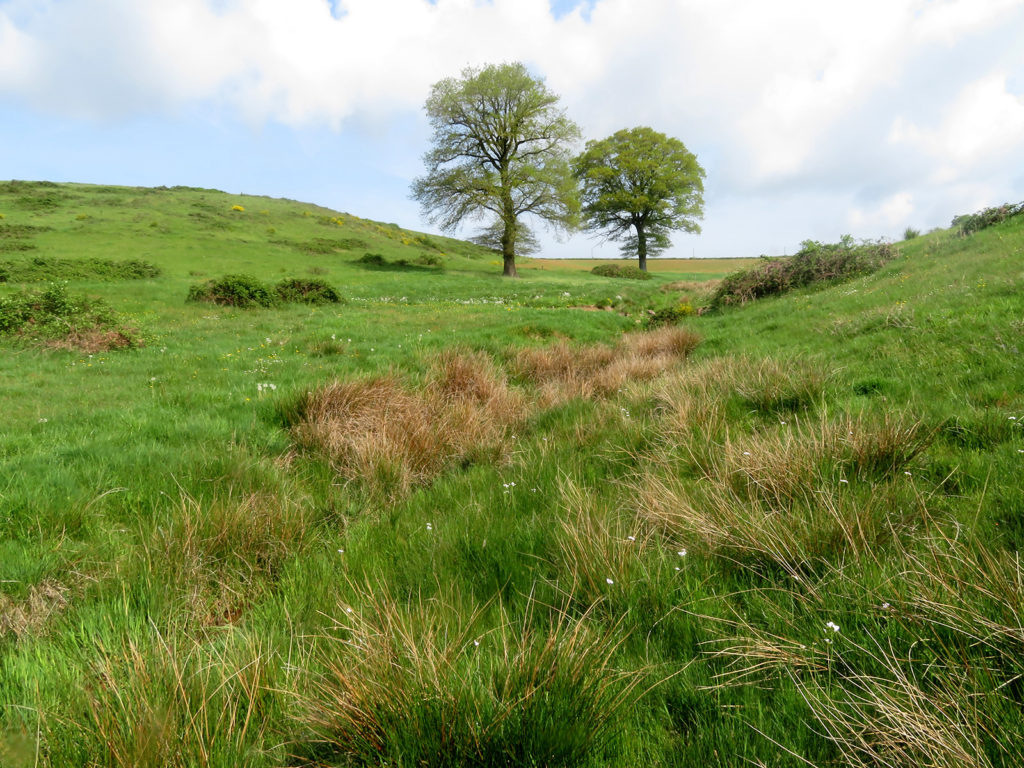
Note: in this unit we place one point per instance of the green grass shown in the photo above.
(186, 579)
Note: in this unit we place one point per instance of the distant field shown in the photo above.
(708, 267)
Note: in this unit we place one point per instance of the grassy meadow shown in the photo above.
(460, 520)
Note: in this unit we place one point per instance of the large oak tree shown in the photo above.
(500, 152)
(637, 186)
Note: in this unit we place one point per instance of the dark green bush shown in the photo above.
(910, 233)
(52, 314)
(429, 260)
(970, 223)
(627, 271)
(814, 263)
(234, 291)
(306, 291)
(373, 259)
(669, 315)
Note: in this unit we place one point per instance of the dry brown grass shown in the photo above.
(30, 614)
(93, 340)
(563, 372)
(928, 690)
(169, 701)
(219, 556)
(392, 437)
(437, 682)
(788, 496)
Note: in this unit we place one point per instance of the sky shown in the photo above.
(812, 118)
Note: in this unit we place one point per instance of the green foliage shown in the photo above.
(974, 222)
(910, 233)
(52, 313)
(241, 291)
(639, 185)
(372, 260)
(669, 315)
(41, 269)
(499, 151)
(302, 291)
(814, 263)
(626, 271)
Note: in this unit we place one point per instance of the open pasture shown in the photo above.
(456, 519)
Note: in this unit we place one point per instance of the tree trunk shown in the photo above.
(641, 243)
(508, 239)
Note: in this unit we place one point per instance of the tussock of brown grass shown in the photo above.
(900, 700)
(563, 371)
(220, 555)
(94, 340)
(432, 682)
(29, 615)
(393, 437)
(171, 701)
(787, 496)
(596, 544)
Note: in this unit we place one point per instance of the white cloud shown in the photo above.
(983, 123)
(892, 212)
(772, 96)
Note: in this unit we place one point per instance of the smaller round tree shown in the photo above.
(637, 186)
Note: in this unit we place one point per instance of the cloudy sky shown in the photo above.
(812, 118)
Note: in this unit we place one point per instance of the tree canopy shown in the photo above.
(637, 186)
(500, 151)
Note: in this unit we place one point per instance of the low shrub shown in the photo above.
(970, 223)
(814, 263)
(55, 318)
(910, 233)
(234, 291)
(626, 271)
(373, 259)
(429, 260)
(669, 315)
(303, 291)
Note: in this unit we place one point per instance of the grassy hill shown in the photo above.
(462, 520)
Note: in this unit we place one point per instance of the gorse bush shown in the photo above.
(56, 318)
(626, 271)
(974, 222)
(41, 269)
(814, 263)
(669, 315)
(245, 291)
(234, 291)
(303, 291)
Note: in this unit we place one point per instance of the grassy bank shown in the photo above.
(461, 520)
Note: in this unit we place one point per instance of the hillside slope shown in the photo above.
(457, 520)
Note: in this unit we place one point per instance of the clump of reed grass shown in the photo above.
(163, 699)
(218, 556)
(790, 496)
(427, 684)
(391, 436)
(922, 670)
(562, 371)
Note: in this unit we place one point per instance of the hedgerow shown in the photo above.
(42, 269)
(973, 222)
(815, 262)
(627, 271)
